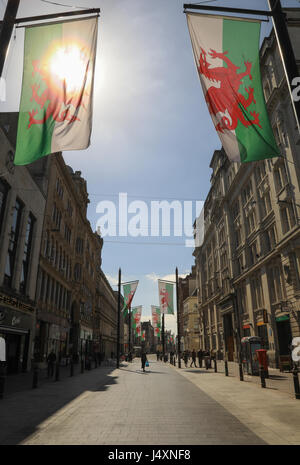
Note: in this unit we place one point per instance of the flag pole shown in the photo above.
(178, 322)
(163, 335)
(129, 332)
(7, 28)
(119, 316)
(30, 19)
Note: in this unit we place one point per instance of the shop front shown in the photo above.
(284, 335)
(52, 333)
(16, 329)
(57, 341)
(86, 341)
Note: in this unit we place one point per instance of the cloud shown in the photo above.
(113, 280)
(168, 277)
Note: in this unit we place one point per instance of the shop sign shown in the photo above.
(15, 303)
(10, 318)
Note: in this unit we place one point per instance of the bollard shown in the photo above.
(2, 379)
(296, 383)
(215, 363)
(57, 372)
(35, 376)
(71, 368)
(82, 366)
(262, 376)
(226, 368)
(241, 372)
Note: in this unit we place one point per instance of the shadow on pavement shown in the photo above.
(22, 412)
(139, 371)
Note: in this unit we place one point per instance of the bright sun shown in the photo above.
(69, 64)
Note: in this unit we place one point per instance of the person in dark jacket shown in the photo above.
(144, 360)
(51, 359)
(200, 358)
(185, 358)
(193, 359)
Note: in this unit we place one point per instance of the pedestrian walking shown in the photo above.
(185, 358)
(51, 359)
(200, 357)
(144, 360)
(193, 358)
(157, 355)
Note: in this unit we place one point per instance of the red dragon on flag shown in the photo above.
(226, 98)
(164, 298)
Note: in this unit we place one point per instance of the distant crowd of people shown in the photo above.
(204, 357)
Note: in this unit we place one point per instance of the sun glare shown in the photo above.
(69, 64)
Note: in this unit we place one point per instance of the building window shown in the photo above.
(253, 254)
(77, 272)
(67, 234)
(251, 221)
(256, 293)
(59, 189)
(242, 298)
(42, 290)
(270, 239)
(13, 242)
(280, 177)
(275, 284)
(27, 252)
(266, 204)
(287, 218)
(247, 193)
(79, 245)
(260, 172)
(3, 196)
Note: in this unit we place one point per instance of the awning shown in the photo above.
(13, 330)
(282, 318)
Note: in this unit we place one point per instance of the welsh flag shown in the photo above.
(226, 53)
(156, 320)
(129, 291)
(143, 335)
(57, 89)
(165, 292)
(136, 315)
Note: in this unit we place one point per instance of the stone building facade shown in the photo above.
(22, 204)
(248, 266)
(68, 315)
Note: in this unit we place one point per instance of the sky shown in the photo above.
(152, 136)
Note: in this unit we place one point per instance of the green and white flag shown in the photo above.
(57, 89)
(156, 320)
(226, 52)
(143, 335)
(136, 315)
(165, 293)
(129, 291)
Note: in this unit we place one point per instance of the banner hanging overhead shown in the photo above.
(129, 291)
(136, 319)
(226, 52)
(156, 320)
(57, 89)
(165, 292)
